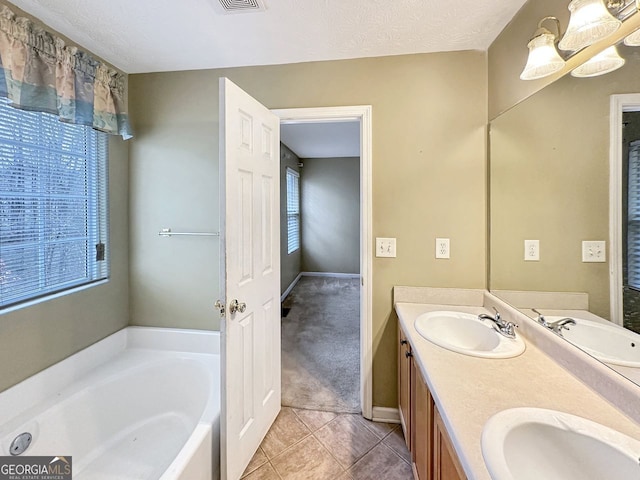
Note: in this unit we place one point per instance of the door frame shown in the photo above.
(362, 114)
(619, 104)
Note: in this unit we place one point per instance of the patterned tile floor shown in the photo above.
(315, 445)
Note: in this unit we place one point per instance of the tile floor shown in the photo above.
(315, 445)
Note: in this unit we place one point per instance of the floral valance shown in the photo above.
(39, 72)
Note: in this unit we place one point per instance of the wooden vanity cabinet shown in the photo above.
(432, 454)
(446, 465)
(422, 410)
(404, 384)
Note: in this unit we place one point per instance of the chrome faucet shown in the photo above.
(504, 328)
(561, 324)
(556, 326)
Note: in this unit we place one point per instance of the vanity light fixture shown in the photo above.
(606, 61)
(543, 58)
(590, 21)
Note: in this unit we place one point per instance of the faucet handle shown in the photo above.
(497, 313)
(541, 320)
(509, 329)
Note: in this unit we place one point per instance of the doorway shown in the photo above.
(362, 116)
(625, 210)
(620, 106)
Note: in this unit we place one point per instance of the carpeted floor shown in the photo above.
(321, 345)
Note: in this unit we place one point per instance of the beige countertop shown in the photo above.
(469, 390)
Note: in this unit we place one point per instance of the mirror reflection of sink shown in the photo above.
(535, 443)
(605, 341)
(465, 333)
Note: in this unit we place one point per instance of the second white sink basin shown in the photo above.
(607, 342)
(465, 333)
(535, 444)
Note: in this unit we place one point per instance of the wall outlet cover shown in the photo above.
(443, 248)
(532, 250)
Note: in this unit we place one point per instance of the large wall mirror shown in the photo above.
(549, 181)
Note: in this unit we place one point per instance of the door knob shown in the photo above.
(236, 306)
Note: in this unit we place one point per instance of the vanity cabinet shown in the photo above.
(432, 454)
(422, 411)
(404, 384)
(446, 465)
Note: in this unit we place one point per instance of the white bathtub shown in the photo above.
(143, 403)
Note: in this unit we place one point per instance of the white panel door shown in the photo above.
(250, 178)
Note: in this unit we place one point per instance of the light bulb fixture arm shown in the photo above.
(542, 30)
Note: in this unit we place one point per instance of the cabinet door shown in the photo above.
(422, 425)
(446, 465)
(404, 384)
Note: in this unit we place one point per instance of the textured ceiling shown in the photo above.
(161, 35)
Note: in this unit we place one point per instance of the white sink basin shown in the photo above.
(465, 333)
(607, 342)
(535, 444)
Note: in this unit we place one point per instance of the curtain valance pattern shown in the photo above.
(39, 72)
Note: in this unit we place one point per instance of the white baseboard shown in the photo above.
(290, 287)
(328, 274)
(386, 415)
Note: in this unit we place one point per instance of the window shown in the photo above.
(53, 205)
(293, 210)
(633, 217)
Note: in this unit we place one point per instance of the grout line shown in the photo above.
(344, 469)
(275, 470)
(397, 454)
(291, 446)
(365, 423)
(246, 474)
(309, 410)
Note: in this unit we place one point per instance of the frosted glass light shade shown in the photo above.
(590, 21)
(633, 39)
(543, 58)
(606, 61)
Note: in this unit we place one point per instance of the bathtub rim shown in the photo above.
(38, 388)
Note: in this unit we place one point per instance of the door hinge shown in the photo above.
(220, 306)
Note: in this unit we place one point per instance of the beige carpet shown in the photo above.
(321, 345)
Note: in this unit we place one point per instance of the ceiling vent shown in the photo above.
(240, 6)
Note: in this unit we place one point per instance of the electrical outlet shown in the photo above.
(532, 250)
(442, 248)
(385, 247)
(594, 251)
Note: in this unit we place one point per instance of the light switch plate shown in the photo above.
(385, 247)
(442, 248)
(532, 250)
(594, 251)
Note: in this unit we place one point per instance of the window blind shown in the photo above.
(293, 210)
(633, 218)
(53, 205)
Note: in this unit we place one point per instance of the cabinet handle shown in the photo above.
(403, 342)
(408, 354)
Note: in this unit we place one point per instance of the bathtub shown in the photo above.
(143, 403)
